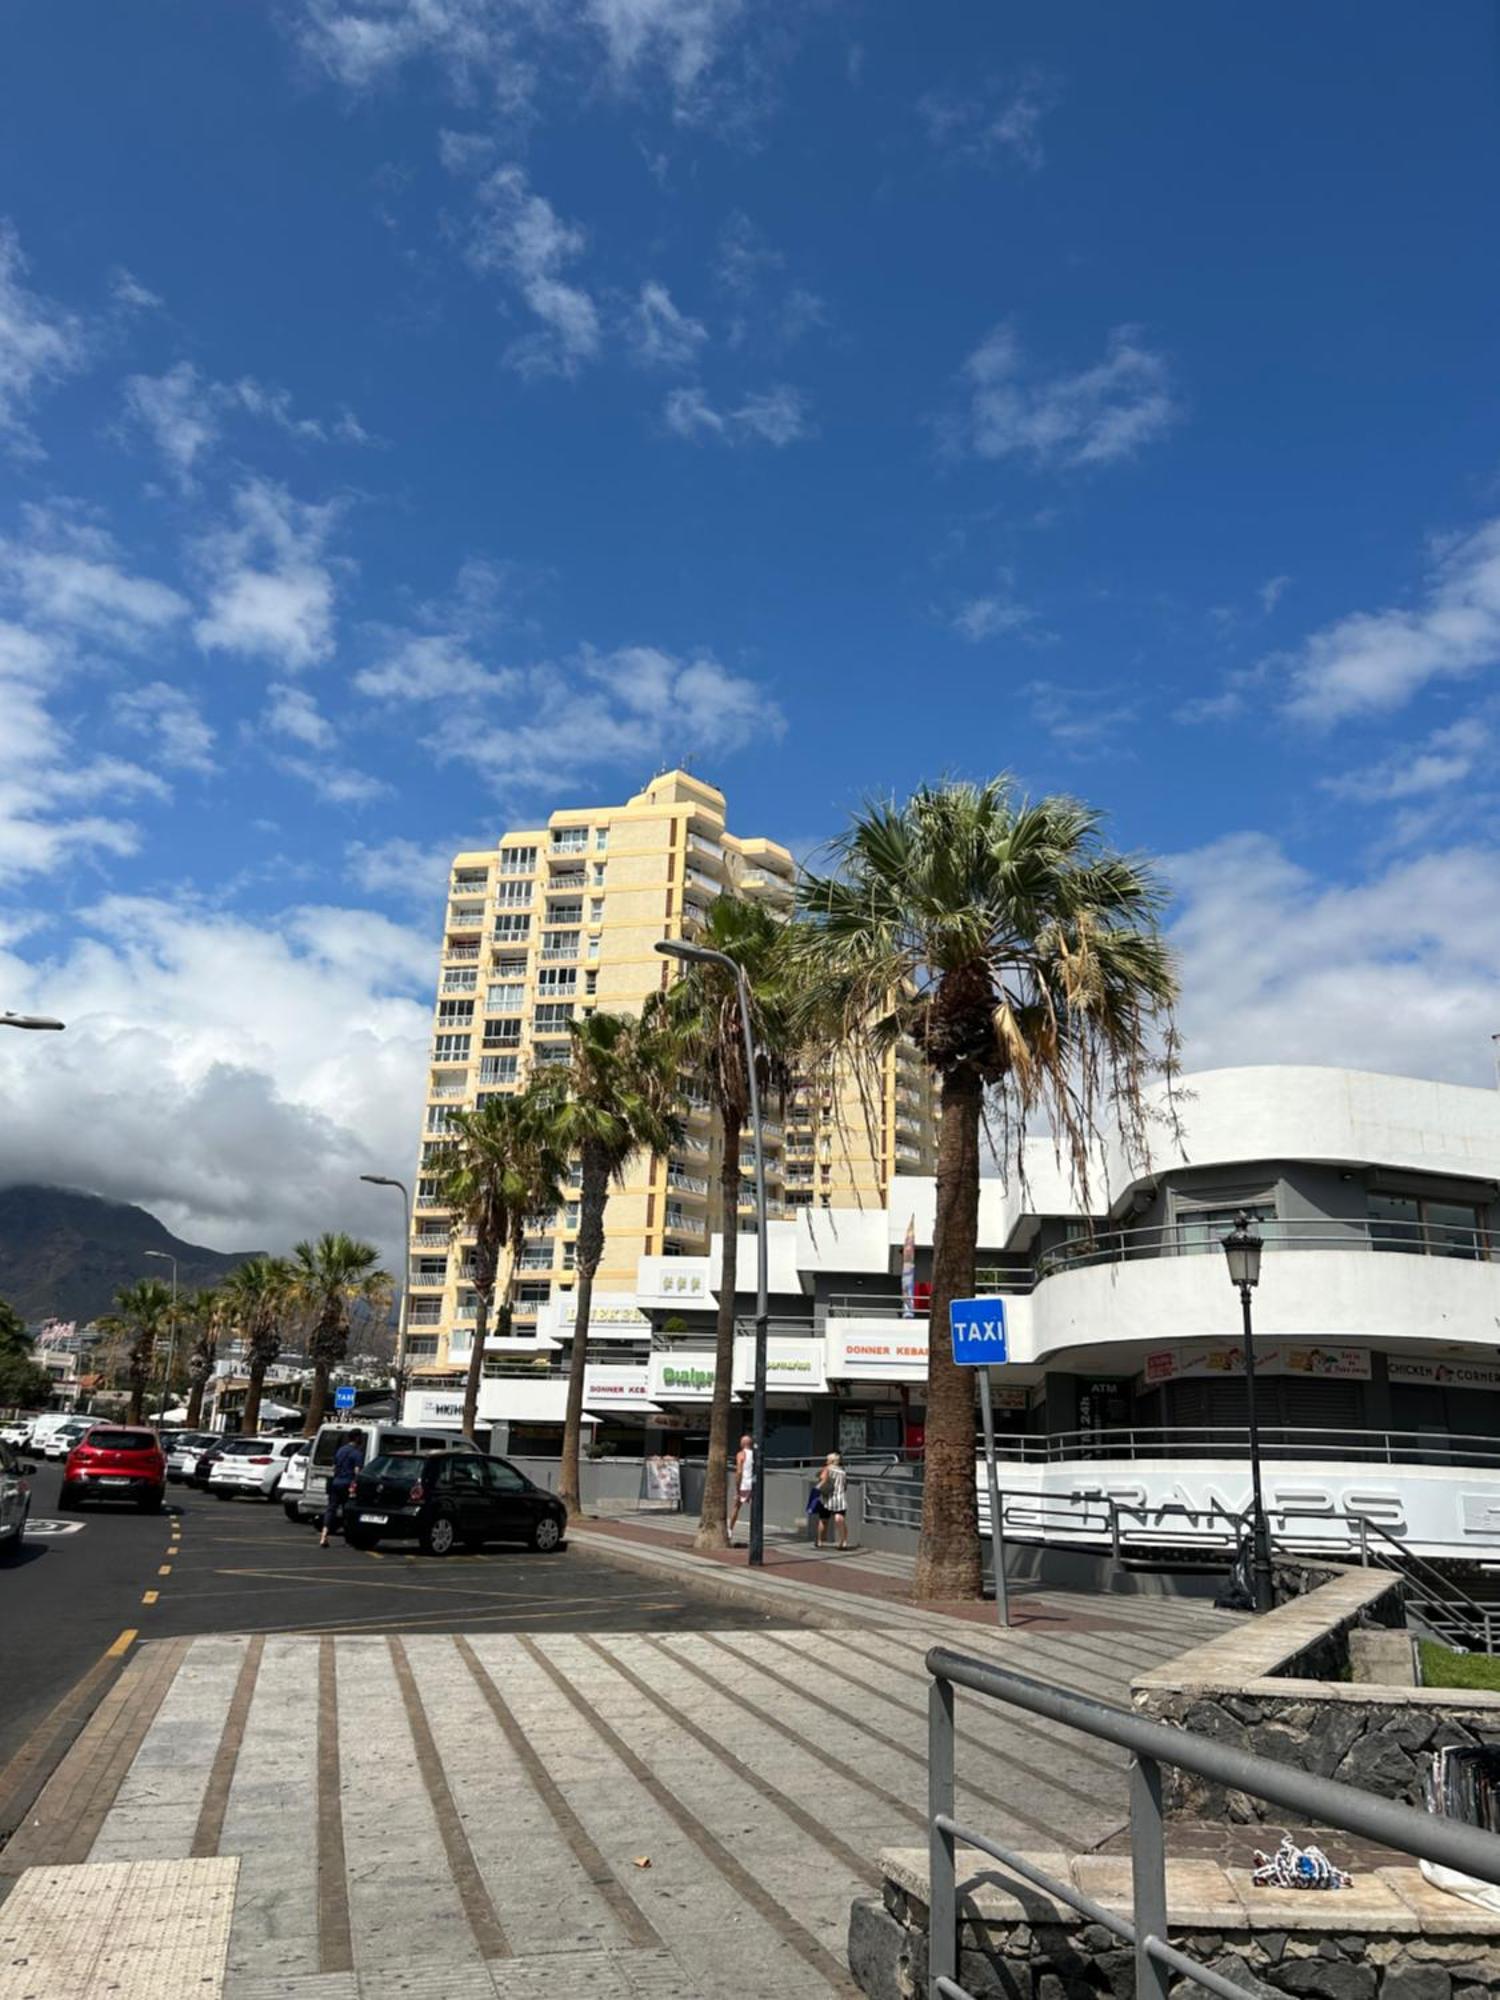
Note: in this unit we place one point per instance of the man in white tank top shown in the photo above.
(744, 1478)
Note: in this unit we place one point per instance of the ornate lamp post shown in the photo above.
(1242, 1248)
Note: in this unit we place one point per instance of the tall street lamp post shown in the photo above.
(166, 1257)
(398, 1371)
(1242, 1248)
(698, 954)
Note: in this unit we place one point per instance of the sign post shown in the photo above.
(978, 1330)
(343, 1396)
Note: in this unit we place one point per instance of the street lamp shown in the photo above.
(698, 954)
(166, 1389)
(1242, 1248)
(9, 1020)
(398, 1371)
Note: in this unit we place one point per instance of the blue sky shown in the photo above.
(418, 413)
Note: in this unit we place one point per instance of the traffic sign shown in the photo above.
(978, 1329)
(343, 1396)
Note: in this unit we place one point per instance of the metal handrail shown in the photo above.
(1288, 1441)
(1427, 1587)
(1107, 1245)
(1321, 1801)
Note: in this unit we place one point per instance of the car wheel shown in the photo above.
(150, 1504)
(10, 1548)
(358, 1539)
(67, 1500)
(289, 1508)
(438, 1536)
(547, 1534)
(221, 1492)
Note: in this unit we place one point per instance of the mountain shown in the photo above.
(64, 1255)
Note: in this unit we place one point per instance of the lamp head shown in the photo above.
(9, 1020)
(379, 1180)
(1242, 1248)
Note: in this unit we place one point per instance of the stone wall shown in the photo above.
(1391, 1937)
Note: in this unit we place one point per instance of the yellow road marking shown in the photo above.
(123, 1644)
(150, 1596)
(165, 1570)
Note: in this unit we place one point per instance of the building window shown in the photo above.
(498, 1069)
(598, 874)
(505, 997)
(510, 967)
(450, 1048)
(570, 840)
(591, 982)
(466, 917)
(552, 1020)
(452, 1012)
(596, 910)
(593, 947)
(601, 839)
(464, 981)
(563, 914)
(1423, 1227)
(440, 1118)
(518, 861)
(1206, 1228)
(514, 896)
(502, 1034)
(557, 979)
(512, 926)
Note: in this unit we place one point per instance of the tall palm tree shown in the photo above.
(146, 1310)
(614, 1100)
(259, 1294)
(703, 1013)
(327, 1277)
(204, 1314)
(1029, 968)
(503, 1171)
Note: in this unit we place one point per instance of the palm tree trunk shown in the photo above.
(948, 1555)
(318, 1403)
(713, 1521)
(137, 1399)
(593, 1192)
(142, 1353)
(476, 1361)
(195, 1395)
(253, 1393)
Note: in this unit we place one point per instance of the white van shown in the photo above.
(43, 1426)
(312, 1502)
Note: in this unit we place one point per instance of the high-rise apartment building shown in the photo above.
(554, 922)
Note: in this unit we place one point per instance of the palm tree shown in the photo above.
(702, 1010)
(1030, 970)
(504, 1170)
(615, 1099)
(204, 1313)
(327, 1277)
(146, 1310)
(259, 1293)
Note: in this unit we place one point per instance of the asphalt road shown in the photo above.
(206, 1565)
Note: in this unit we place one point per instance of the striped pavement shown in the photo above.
(682, 1814)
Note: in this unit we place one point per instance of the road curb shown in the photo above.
(27, 1774)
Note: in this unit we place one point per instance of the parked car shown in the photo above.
(294, 1481)
(17, 1431)
(15, 1499)
(204, 1463)
(184, 1450)
(116, 1462)
(252, 1465)
(377, 1438)
(42, 1427)
(455, 1499)
(59, 1442)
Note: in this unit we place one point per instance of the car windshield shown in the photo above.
(403, 1466)
(328, 1442)
(121, 1441)
(247, 1447)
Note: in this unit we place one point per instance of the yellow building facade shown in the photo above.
(556, 921)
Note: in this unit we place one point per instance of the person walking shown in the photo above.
(347, 1461)
(833, 1498)
(744, 1478)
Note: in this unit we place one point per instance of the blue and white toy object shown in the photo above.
(1294, 1867)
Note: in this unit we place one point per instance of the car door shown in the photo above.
(463, 1482)
(12, 1493)
(511, 1508)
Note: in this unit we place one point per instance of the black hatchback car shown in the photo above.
(452, 1500)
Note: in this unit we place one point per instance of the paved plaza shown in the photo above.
(676, 1813)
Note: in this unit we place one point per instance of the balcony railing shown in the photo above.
(552, 952)
(565, 879)
(567, 844)
(462, 954)
(709, 882)
(1190, 1239)
(683, 1224)
(686, 1183)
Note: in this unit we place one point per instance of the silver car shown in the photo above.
(15, 1500)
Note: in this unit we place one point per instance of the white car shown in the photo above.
(15, 1499)
(252, 1465)
(17, 1432)
(184, 1450)
(58, 1443)
(294, 1483)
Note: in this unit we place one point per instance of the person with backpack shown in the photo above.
(833, 1501)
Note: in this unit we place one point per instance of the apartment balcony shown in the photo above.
(689, 1184)
(466, 917)
(462, 954)
(551, 953)
(430, 1239)
(694, 912)
(709, 884)
(463, 887)
(709, 853)
(760, 882)
(567, 846)
(689, 1144)
(566, 879)
(773, 1165)
(680, 1223)
(453, 1089)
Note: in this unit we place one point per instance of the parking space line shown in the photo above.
(165, 1570)
(150, 1596)
(123, 1644)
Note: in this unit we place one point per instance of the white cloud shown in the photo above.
(629, 707)
(1272, 591)
(65, 576)
(427, 666)
(174, 723)
(1106, 413)
(292, 712)
(776, 416)
(519, 235)
(660, 335)
(683, 37)
(39, 344)
(1372, 662)
(1003, 121)
(183, 415)
(1447, 758)
(270, 591)
(217, 1030)
(989, 616)
(1396, 972)
(1084, 721)
(334, 784)
(404, 869)
(129, 294)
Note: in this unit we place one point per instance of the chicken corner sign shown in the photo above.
(978, 1329)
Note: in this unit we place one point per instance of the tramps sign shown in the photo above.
(978, 1329)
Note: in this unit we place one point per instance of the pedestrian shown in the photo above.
(833, 1499)
(347, 1461)
(744, 1478)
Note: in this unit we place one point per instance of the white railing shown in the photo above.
(556, 951)
(684, 1224)
(464, 954)
(687, 1183)
(708, 882)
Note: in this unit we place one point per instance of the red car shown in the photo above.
(111, 1462)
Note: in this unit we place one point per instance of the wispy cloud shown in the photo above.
(517, 234)
(1447, 757)
(660, 335)
(292, 712)
(270, 586)
(1084, 721)
(1065, 422)
(40, 344)
(173, 722)
(1372, 662)
(996, 612)
(775, 417)
(1001, 122)
(66, 575)
(183, 415)
(1272, 591)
